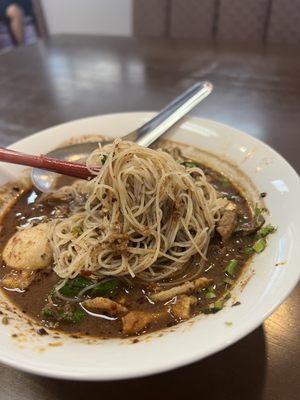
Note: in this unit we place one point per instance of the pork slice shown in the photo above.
(182, 308)
(136, 321)
(103, 304)
(18, 279)
(227, 224)
(185, 288)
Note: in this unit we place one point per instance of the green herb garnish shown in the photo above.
(47, 313)
(105, 289)
(73, 286)
(248, 250)
(214, 308)
(266, 230)
(231, 266)
(210, 295)
(227, 296)
(228, 281)
(75, 316)
(260, 245)
(257, 211)
(224, 181)
(189, 164)
(218, 305)
(78, 315)
(210, 310)
(60, 314)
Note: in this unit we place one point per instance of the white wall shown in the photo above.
(99, 17)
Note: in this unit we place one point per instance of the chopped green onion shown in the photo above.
(207, 311)
(73, 286)
(189, 164)
(248, 250)
(214, 308)
(218, 305)
(210, 295)
(266, 230)
(228, 281)
(231, 266)
(227, 296)
(257, 210)
(106, 289)
(260, 245)
(224, 181)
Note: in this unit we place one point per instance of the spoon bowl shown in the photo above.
(78, 153)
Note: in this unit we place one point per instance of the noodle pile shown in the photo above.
(144, 216)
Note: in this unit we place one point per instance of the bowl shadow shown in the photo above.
(234, 373)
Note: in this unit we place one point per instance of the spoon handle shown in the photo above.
(47, 163)
(172, 113)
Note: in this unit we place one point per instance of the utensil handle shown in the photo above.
(173, 112)
(46, 163)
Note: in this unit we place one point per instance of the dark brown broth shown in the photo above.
(219, 254)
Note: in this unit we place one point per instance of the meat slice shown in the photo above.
(185, 288)
(103, 304)
(137, 321)
(227, 224)
(182, 308)
(28, 249)
(18, 279)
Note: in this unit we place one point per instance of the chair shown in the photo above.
(35, 27)
(284, 26)
(256, 21)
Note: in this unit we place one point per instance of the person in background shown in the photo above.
(14, 11)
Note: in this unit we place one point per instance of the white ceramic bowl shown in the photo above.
(69, 358)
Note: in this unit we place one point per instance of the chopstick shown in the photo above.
(47, 163)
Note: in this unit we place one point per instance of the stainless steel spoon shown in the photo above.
(144, 136)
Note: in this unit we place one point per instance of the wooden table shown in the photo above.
(256, 90)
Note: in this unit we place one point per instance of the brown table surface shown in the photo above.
(256, 90)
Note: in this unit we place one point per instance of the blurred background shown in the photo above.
(257, 21)
(62, 60)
